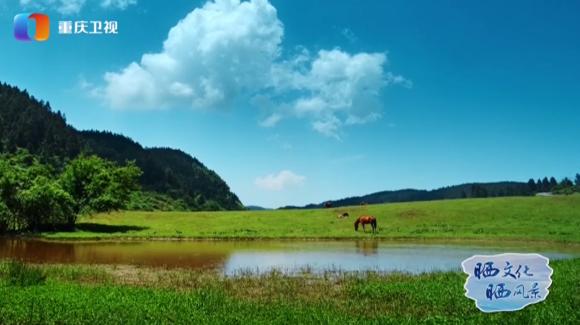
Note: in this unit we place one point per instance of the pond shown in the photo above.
(231, 257)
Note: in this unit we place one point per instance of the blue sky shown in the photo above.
(294, 102)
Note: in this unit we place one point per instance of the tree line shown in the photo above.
(564, 186)
(461, 191)
(35, 196)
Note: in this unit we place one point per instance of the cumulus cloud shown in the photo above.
(230, 50)
(336, 88)
(281, 181)
(213, 55)
(67, 7)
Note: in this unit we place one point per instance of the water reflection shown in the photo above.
(37, 251)
(164, 254)
(263, 256)
(367, 247)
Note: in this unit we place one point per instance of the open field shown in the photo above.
(129, 295)
(552, 219)
(134, 295)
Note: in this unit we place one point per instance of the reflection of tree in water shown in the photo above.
(37, 251)
(173, 254)
(191, 255)
(367, 247)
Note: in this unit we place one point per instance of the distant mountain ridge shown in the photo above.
(468, 190)
(31, 124)
(256, 208)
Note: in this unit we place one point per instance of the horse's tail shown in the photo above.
(374, 223)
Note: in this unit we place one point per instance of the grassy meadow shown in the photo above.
(99, 294)
(103, 295)
(551, 219)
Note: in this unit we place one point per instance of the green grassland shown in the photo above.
(60, 294)
(124, 294)
(550, 219)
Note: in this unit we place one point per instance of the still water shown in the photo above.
(231, 257)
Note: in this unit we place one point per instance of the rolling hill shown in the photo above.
(468, 190)
(31, 124)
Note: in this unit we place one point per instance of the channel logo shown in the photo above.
(25, 31)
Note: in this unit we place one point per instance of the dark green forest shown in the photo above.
(171, 179)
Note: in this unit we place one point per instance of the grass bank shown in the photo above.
(554, 219)
(129, 295)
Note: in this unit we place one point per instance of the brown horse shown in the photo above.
(366, 220)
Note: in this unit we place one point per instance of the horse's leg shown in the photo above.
(364, 229)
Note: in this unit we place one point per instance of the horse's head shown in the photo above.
(356, 224)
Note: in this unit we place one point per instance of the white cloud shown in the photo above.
(328, 126)
(118, 4)
(213, 55)
(68, 7)
(336, 88)
(281, 181)
(271, 120)
(88, 87)
(133, 84)
(230, 50)
(65, 7)
(349, 35)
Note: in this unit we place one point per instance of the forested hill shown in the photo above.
(451, 192)
(31, 124)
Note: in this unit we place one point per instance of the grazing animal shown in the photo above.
(366, 220)
(343, 215)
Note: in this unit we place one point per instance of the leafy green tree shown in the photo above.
(34, 197)
(577, 182)
(45, 205)
(17, 173)
(99, 185)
